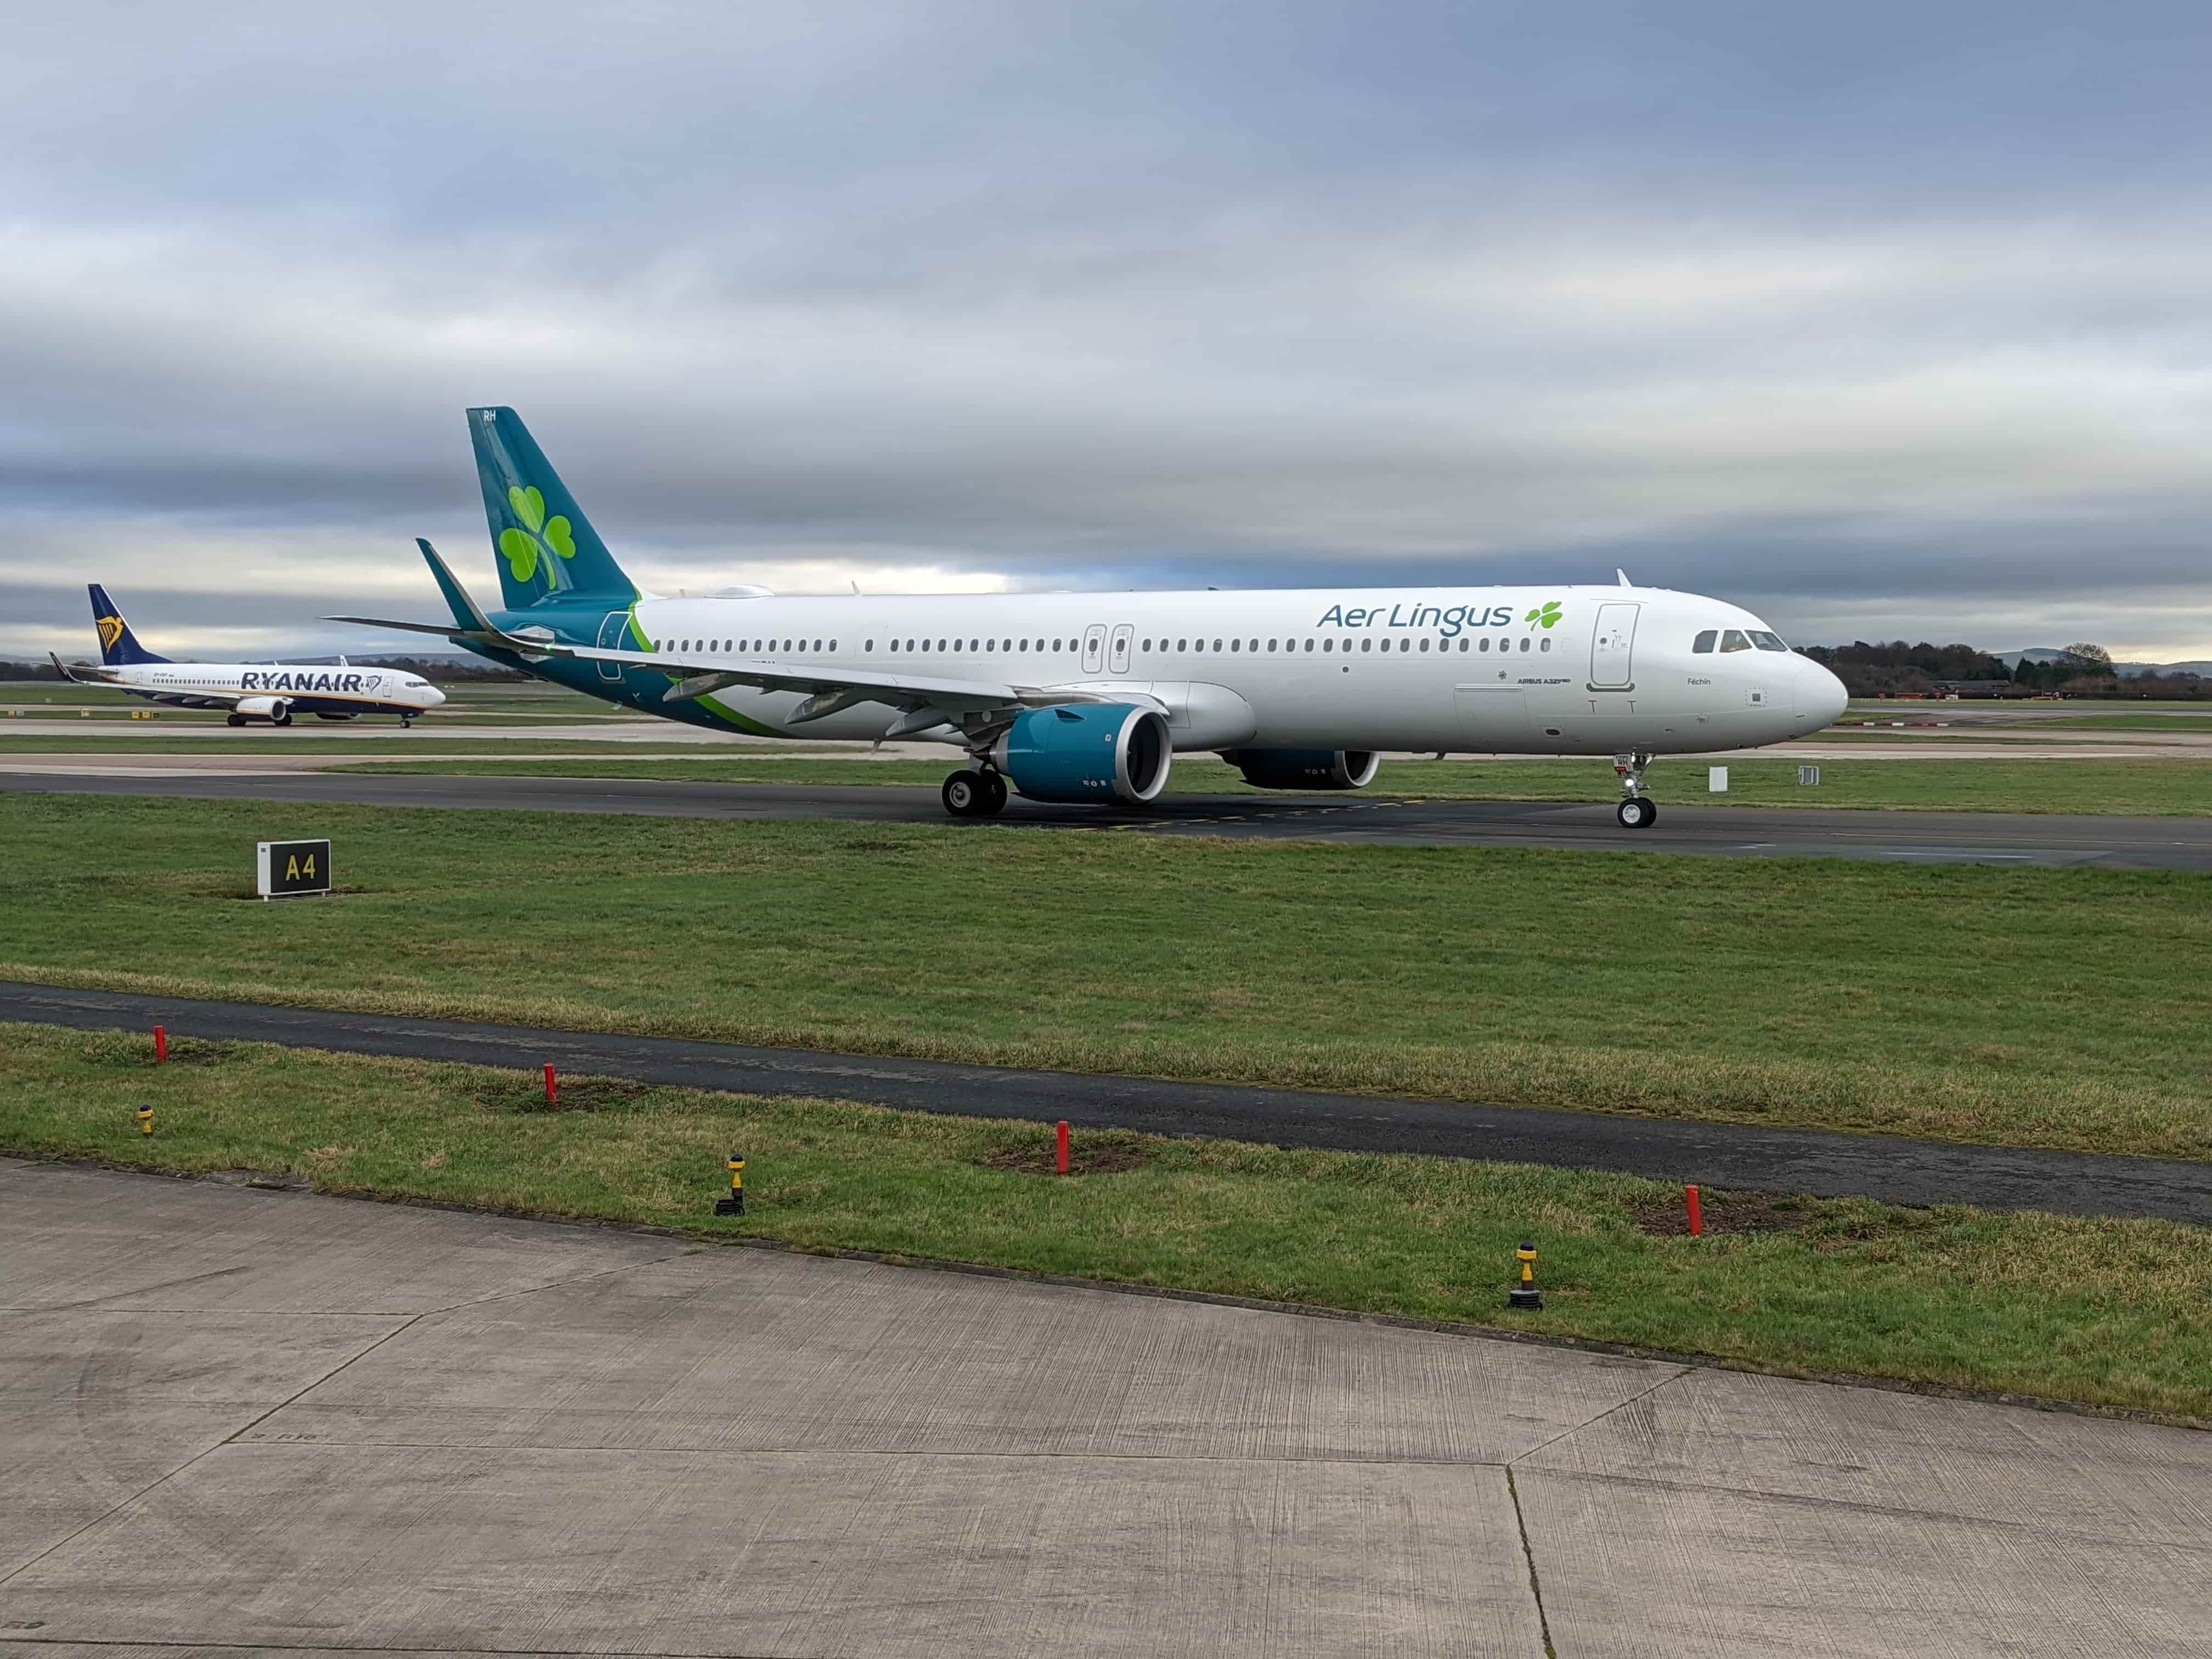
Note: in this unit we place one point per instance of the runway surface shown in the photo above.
(2123, 843)
(1723, 1155)
(269, 1422)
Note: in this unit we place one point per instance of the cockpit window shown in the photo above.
(1704, 642)
(1734, 640)
(1766, 641)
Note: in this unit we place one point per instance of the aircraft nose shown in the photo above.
(1823, 697)
(432, 696)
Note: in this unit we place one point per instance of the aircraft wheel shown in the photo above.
(994, 794)
(963, 794)
(1636, 813)
(237, 720)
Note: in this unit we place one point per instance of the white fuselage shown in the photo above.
(1471, 669)
(309, 688)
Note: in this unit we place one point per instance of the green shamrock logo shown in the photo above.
(540, 534)
(1544, 615)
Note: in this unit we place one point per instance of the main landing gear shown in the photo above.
(1637, 810)
(969, 794)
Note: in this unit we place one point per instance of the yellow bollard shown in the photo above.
(145, 1119)
(735, 1203)
(1525, 1294)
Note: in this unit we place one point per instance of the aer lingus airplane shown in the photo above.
(1089, 697)
(250, 690)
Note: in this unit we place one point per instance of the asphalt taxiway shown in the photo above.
(260, 1421)
(1720, 1155)
(2125, 843)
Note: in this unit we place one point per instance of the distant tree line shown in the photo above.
(2082, 669)
(1888, 671)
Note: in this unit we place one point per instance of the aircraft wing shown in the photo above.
(923, 701)
(82, 673)
(100, 674)
(828, 691)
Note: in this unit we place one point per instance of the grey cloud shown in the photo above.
(1880, 312)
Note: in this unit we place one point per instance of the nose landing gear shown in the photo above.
(974, 794)
(1635, 810)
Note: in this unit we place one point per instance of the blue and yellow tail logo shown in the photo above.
(111, 630)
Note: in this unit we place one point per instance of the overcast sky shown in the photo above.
(1882, 319)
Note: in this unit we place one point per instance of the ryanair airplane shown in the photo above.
(251, 691)
(1076, 697)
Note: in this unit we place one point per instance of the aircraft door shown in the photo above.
(1094, 649)
(610, 632)
(1610, 646)
(1118, 660)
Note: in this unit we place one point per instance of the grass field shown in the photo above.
(2101, 1312)
(2020, 1006)
(423, 740)
(2181, 787)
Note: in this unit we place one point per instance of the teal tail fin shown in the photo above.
(547, 547)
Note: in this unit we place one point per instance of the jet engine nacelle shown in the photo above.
(277, 709)
(1093, 752)
(1305, 768)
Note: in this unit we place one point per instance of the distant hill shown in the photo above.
(2125, 669)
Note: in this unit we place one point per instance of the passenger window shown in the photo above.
(1546, 646)
(1424, 645)
(1217, 645)
(1367, 645)
(1270, 645)
(1329, 644)
(1524, 644)
(868, 645)
(1486, 641)
(1255, 645)
(1236, 644)
(1309, 644)
(1734, 640)
(1702, 644)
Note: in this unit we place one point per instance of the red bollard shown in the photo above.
(1697, 1211)
(1060, 1152)
(160, 1045)
(552, 1089)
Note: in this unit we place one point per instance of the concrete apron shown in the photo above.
(235, 1418)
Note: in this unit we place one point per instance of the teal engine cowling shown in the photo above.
(1090, 752)
(1305, 768)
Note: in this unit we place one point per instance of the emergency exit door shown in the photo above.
(1117, 657)
(1610, 648)
(610, 639)
(1094, 649)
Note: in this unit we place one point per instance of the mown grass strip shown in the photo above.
(2101, 1312)
(2178, 788)
(2020, 1006)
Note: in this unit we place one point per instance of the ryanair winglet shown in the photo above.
(118, 644)
(547, 547)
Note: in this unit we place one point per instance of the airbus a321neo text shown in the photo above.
(1075, 697)
(250, 691)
